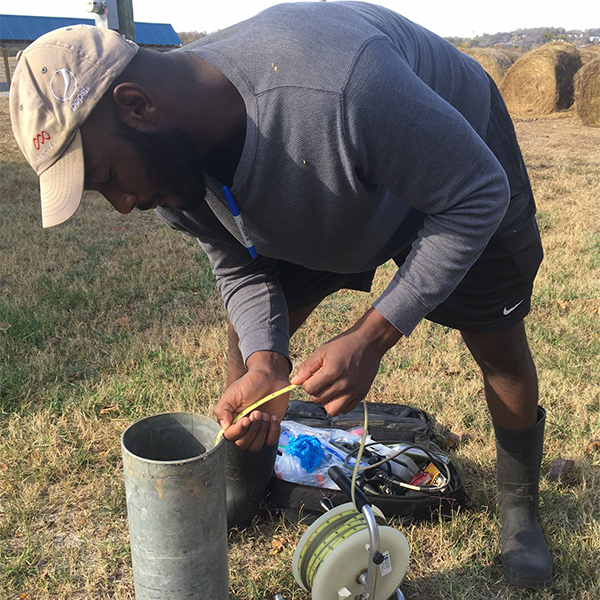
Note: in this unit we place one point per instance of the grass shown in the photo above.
(115, 318)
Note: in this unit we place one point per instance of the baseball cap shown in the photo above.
(58, 81)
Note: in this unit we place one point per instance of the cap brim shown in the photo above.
(61, 186)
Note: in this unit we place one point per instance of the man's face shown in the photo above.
(134, 169)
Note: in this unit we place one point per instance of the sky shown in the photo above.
(461, 18)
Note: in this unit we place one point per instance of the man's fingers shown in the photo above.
(274, 431)
(234, 432)
(224, 419)
(224, 411)
(261, 432)
(322, 389)
(249, 433)
(305, 371)
(336, 407)
(244, 430)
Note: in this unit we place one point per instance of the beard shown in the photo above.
(171, 163)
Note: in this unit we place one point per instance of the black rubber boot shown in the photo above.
(248, 475)
(526, 561)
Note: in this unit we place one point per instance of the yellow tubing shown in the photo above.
(254, 406)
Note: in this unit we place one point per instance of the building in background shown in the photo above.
(17, 32)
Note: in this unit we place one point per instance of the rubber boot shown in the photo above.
(248, 475)
(526, 561)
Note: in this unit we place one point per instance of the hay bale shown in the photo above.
(541, 81)
(587, 93)
(589, 53)
(495, 61)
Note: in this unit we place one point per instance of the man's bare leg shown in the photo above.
(509, 375)
(511, 389)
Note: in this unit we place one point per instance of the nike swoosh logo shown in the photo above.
(507, 311)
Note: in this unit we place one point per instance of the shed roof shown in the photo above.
(19, 28)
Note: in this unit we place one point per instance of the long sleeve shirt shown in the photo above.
(363, 131)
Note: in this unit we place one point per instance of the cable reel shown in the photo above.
(346, 555)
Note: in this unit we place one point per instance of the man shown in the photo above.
(348, 136)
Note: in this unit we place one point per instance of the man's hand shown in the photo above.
(339, 374)
(267, 373)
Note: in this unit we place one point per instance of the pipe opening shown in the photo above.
(170, 437)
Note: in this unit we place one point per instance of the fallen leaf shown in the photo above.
(121, 322)
(18, 535)
(593, 446)
(560, 467)
(449, 440)
(108, 409)
(564, 305)
(3, 466)
(22, 596)
(277, 546)
(4, 326)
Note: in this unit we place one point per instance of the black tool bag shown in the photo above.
(388, 424)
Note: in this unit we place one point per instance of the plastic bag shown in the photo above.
(318, 454)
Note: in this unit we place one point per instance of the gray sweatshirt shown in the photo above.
(360, 124)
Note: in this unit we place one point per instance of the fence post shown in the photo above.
(6, 64)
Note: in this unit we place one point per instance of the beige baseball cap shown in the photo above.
(58, 81)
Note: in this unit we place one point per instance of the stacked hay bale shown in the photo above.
(587, 93)
(589, 53)
(495, 61)
(541, 81)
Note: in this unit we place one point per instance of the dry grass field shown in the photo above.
(107, 319)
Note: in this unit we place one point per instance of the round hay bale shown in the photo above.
(495, 61)
(541, 81)
(589, 53)
(587, 93)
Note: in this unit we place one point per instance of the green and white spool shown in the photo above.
(334, 551)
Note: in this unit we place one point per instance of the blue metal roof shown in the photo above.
(18, 28)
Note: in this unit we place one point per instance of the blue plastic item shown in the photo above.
(308, 449)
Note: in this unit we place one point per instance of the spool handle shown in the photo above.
(364, 506)
(345, 485)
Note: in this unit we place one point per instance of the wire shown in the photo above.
(359, 456)
(416, 488)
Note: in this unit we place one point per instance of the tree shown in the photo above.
(552, 35)
(187, 37)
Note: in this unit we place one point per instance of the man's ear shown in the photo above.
(135, 105)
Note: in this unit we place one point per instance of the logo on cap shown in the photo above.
(63, 85)
(40, 138)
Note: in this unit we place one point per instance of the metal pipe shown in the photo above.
(176, 505)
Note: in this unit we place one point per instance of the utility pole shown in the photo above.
(125, 12)
(114, 14)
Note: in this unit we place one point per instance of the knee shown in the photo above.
(501, 354)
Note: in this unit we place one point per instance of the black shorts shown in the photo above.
(495, 294)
